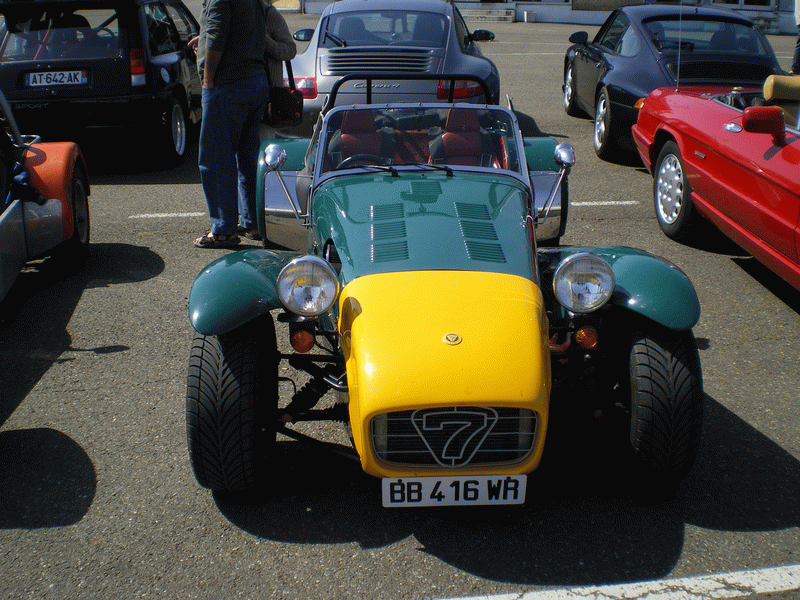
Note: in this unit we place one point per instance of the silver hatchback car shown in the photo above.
(422, 36)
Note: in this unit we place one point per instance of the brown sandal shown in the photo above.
(217, 240)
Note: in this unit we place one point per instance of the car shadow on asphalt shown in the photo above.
(47, 479)
(583, 522)
(35, 313)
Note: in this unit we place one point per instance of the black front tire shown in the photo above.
(77, 246)
(666, 389)
(231, 397)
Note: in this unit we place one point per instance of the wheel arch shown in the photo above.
(51, 166)
(236, 289)
(661, 138)
(645, 285)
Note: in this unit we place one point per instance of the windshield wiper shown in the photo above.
(434, 167)
(334, 38)
(386, 168)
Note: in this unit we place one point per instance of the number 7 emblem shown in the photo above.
(453, 436)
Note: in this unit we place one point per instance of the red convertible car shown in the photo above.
(729, 156)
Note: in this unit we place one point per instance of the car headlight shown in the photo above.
(308, 286)
(583, 282)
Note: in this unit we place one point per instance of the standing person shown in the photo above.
(796, 61)
(230, 60)
(280, 47)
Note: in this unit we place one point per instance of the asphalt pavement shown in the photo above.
(97, 499)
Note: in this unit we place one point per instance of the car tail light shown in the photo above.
(137, 67)
(463, 89)
(307, 85)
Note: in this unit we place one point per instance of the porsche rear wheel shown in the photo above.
(666, 388)
(604, 140)
(672, 194)
(570, 106)
(231, 397)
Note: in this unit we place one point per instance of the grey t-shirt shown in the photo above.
(236, 29)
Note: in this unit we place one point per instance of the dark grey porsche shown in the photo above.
(641, 48)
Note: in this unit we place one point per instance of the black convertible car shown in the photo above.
(641, 48)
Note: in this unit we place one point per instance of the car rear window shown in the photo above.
(705, 35)
(384, 28)
(45, 33)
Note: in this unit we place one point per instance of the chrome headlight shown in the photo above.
(583, 282)
(308, 286)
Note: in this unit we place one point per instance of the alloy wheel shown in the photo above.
(669, 189)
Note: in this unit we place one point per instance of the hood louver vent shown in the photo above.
(388, 225)
(472, 211)
(478, 231)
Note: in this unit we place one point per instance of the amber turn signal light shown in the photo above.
(302, 340)
(586, 337)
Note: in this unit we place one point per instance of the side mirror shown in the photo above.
(564, 155)
(579, 37)
(274, 156)
(765, 119)
(303, 35)
(481, 35)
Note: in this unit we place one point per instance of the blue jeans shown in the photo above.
(228, 151)
(796, 58)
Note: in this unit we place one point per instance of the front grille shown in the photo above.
(454, 437)
(343, 61)
(719, 71)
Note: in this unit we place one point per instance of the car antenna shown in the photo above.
(680, 45)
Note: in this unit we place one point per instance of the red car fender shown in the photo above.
(50, 167)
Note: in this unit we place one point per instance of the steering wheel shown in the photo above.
(361, 159)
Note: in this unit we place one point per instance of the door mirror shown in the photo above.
(765, 119)
(579, 37)
(303, 35)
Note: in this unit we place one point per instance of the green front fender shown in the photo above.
(235, 289)
(644, 284)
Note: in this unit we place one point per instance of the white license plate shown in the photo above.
(56, 78)
(469, 490)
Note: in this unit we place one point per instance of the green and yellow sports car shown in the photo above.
(423, 283)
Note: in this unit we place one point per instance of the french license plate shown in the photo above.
(469, 490)
(56, 78)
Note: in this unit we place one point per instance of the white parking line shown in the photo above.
(202, 214)
(606, 203)
(167, 215)
(725, 585)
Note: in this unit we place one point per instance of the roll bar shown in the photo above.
(370, 77)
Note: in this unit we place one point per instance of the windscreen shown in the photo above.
(427, 137)
(706, 35)
(384, 28)
(34, 32)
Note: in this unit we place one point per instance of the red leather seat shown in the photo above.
(360, 134)
(462, 141)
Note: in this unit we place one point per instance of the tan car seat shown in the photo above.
(784, 91)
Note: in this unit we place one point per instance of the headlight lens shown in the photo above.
(308, 286)
(583, 282)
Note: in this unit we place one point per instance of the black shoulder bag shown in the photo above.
(285, 104)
